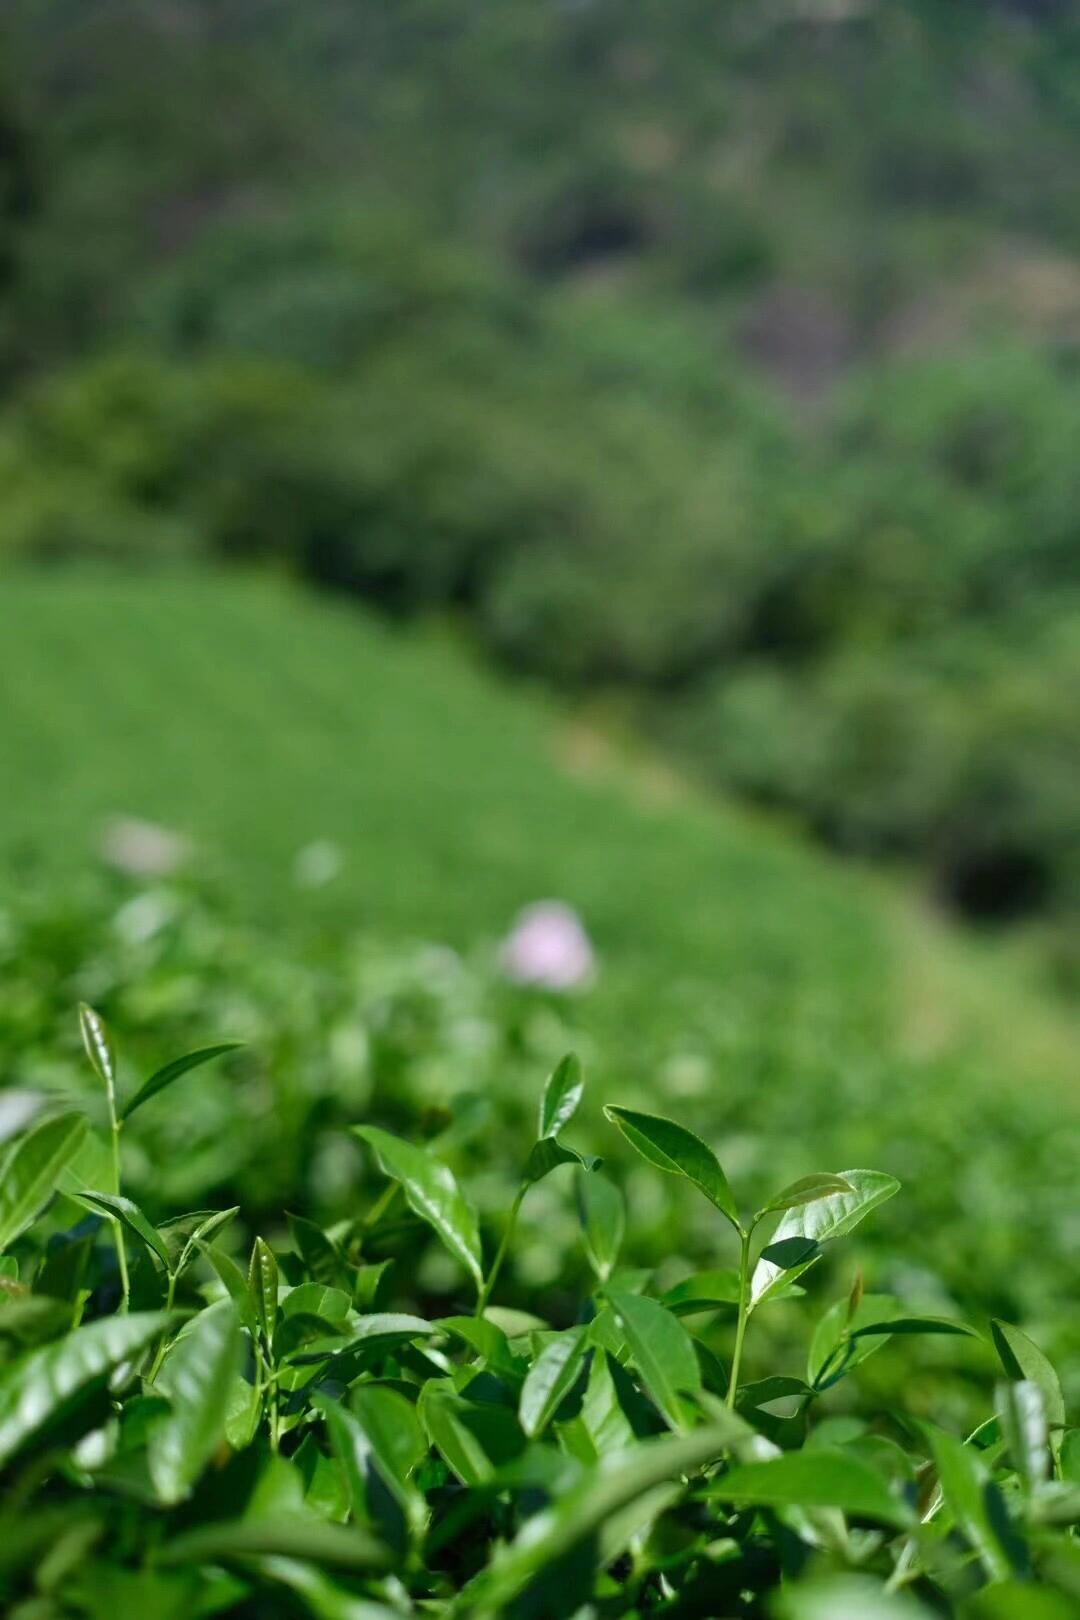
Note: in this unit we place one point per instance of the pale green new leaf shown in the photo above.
(550, 1378)
(826, 1218)
(806, 1191)
(561, 1097)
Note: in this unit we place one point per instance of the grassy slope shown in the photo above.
(256, 721)
(800, 1013)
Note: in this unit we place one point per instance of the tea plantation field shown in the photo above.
(799, 1014)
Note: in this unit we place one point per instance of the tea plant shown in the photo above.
(184, 1434)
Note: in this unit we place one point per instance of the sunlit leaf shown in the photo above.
(561, 1097)
(551, 1377)
(673, 1148)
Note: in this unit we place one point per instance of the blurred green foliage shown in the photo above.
(790, 1011)
(721, 356)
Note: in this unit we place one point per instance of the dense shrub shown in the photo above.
(182, 1430)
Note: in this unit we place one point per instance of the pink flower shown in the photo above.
(548, 946)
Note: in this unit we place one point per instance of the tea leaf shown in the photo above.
(561, 1097)
(602, 1213)
(172, 1071)
(40, 1388)
(263, 1288)
(551, 1377)
(32, 1170)
(122, 1209)
(826, 1218)
(821, 1478)
(1022, 1359)
(673, 1148)
(197, 1374)
(432, 1192)
(806, 1191)
(973, 1500)
(662, 1351)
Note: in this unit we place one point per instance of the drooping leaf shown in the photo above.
(38, 1389)
(673, 1148)
(550, 1378)
(172, 1071)
(432, 1191)
(32, 1172)
(946, 1325)
(561, 1097)
(806, 1191)
(662, 1350)
(130, 1215)
(821, 1478)
(602, 1213)
(548, 1154)
(197, 1375)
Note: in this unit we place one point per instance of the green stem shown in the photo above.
(118, 1230)
(740, 1330)
(500, 1253)
(381, 1204)
(159, 1356)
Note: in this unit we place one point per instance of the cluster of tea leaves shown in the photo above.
(188, 1429)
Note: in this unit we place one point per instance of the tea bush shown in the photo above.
(186, 1427)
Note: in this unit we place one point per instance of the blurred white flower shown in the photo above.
(548, 946)
(317, 864)
(142, 848)
(17, 1109)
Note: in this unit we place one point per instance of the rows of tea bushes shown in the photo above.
(438, 1046)
(195, 1421)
